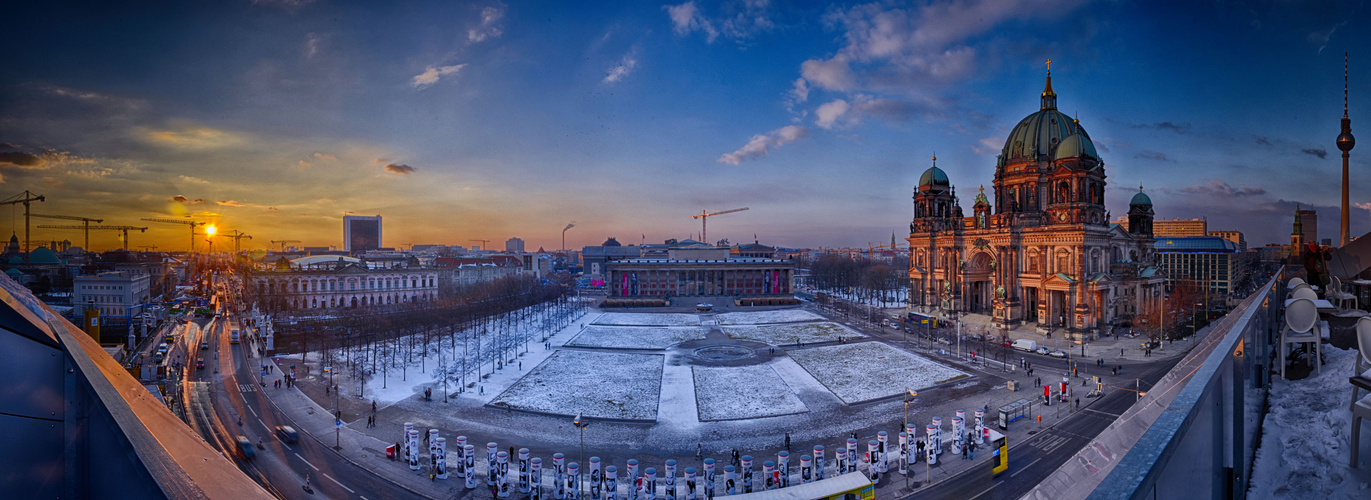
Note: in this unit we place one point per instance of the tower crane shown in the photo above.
(283, 243)
(25, 197)
(84, 220)
(238, 235)
(484, 243)
(125, 230)
(705, 214)
(188, 222)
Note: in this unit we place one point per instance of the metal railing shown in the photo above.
(1194, 434)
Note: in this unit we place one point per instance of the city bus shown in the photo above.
(853, 485)
(233, 336)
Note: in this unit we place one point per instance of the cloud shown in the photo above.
(42, 160)
(1220, 188)
(1321, 37)
(760, 145)
(1179, 128)
(800, 92)
(833, 74)
(193, 180)
(1319, 152)
(186, 201)
(988, 145)
(1151, 155)
(430, 76)
(490, 24)
(313, 44)
(192, 137)
(623, 69)
(686, 18)
(6, 145)
(399, 168)
(304, 164)
(228, 203)
(830, 112)
(325, 156)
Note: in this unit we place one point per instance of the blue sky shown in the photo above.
(486, 120)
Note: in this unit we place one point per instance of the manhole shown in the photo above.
(724, 352)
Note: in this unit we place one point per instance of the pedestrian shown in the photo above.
(965, 451)
(787, 441)
(1120, 352)
(373, 406)
(699, 451)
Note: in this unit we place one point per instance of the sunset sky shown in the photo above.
(485, 120)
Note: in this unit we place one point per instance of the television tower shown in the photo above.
(1345, 143)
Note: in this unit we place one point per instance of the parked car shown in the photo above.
(246, 448)
(199, 363)
(287, 433)
(1025, 345)
(204, 345)
(1057, 354)
(1042, 350)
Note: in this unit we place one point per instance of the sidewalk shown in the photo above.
(1106, 346)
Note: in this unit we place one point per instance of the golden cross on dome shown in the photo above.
(1049, 66)
(982, 189)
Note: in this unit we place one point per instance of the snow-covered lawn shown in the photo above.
(738, 392)
(763, 317)
(596, 384)
(1306, 441)
(870, 370)
(635, 337)
(788, 334)
(647, 319)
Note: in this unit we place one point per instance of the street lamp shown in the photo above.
(580, 422)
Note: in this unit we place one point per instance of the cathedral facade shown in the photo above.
(1041, 248)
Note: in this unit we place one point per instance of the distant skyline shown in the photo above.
(489, 120)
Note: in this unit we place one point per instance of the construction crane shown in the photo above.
(84, 220)
(25, 197)
(483, 244)
(188, 222)
(705, 214)
(283, 243)
(238, 235)
(125, 230)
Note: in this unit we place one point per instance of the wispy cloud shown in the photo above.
(760, 145)
(40, 160)
(192, 137)
(431, 75)
(1152, 155)
(1319, 152)
(186, 201)
(1220, 188)
(1179, 128)
(622, 69)
(228, 203)
(830, 112)
(325, 156)
(399, 168)
(314, 43)
(490, 24)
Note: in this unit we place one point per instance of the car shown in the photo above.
(287, 433)
(944, 341)
(245, 447)
(1057, 354)
(204, 345)
(1042, 350)
(1006, 343)
(161, 349)
(199, 363)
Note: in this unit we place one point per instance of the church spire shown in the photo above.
(1049, 97)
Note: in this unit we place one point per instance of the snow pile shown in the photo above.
(762, 317)
(789, 334)
(647, 319)
(596, 384)
(634, 337)
(1306, 438)
(870, 370)
(739, 392)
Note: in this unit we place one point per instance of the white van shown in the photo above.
(1025, 345)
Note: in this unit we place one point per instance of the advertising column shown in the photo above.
(432, 447)
(840, 461)
(690, 483)
(650, 484)
(633, 479)
(535, 477)
(806, 469)
(558, 476)
(490, 463)
(883, 445)
(932, 452)
(502, 473)
(611, 483)
(669, 481)
(873, 460)
(747, 473)
(469, 461)
(909, 455)
(935, 439)
(904, 453)
(730, 480)
(461, 456)
(768, 475)
(413, 446)
(404, 438)
(596, 479)
(957, 435)
(709, 478)
(851, 455)
(980, 426)
(523, 470)
(818, 462)
(573, 481)
(782, 469)
(440, 457)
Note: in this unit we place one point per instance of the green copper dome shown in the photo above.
(1039, 135)
(1077, 146)
(934, 178)
(1140, 199)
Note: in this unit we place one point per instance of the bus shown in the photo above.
(233, 336)
(853, 485)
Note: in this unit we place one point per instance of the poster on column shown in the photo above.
(535, 473)
(469, 458)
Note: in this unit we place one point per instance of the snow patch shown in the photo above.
(647, 319)
(740, 392)
(631, 337)
(871, 370)
(789, 334)
(595, 384)
(764, 317)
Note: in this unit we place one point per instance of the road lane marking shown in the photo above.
(1024, 468)
(306, 461)
(987, 490)
(254, 412)
(336, 481)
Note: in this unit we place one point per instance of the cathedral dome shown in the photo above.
(1040, 134)
(1076, 146)
(934, 178)
(1140, 199)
